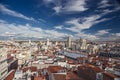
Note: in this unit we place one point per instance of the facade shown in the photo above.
(18, 75)
(48, 42)
(3, 63)
(83, 44)
(69, 41)
(92, 72)
(13, 65)
(109, 76)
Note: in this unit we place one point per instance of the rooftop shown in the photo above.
(110, 75)
(54, 69)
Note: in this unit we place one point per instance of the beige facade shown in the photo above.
(3, 63)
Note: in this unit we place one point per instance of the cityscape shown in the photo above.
(59, 40)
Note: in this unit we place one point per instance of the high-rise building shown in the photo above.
(69, 41)
(83, 44)
(48, 42)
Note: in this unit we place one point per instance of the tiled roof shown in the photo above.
(39, 78)
(88, 71)
(10, 75)
(59, 76)
(94, 68)
(72, 76)
(90, 67)
(110, 75)
(33, 69)
(54, 69)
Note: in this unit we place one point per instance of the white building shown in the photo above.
(18, 75)
(62, 63)
(92, 49)
(3, 62)
(83, 44)
(69, 41)
(48, 42)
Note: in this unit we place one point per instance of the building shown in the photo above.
(48, 42)
(13, 65)
(10, 75)
(83, 44)
(89, 72)
(109, 76)
(92, 49)
(69, 42)
(18, 75)
(3, 62)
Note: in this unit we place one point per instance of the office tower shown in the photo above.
(83, 44)
(48, 42)
(69, 41)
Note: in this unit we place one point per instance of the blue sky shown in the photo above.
(89, 19)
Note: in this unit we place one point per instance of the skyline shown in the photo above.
(89, 19)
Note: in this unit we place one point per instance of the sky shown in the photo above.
(58, 19)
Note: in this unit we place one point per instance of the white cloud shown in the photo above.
(86, 36)
(42, 20)
(104, 4)
(118, 34)
(99, 35)
(55, 34)
(27, 30)
(110, 36)
(58, 27)
(37, 29)
(75, 6)
(79, 24)
(7, 11)
(2, 21)
(69, 6)
(103, 32)
(47, 1)
(57, 9)
(107, 11)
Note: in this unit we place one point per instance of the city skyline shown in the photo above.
(36, 19)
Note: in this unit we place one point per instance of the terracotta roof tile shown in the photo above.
(94, 68)
(72, 76)
(10, 75)
(54, 69)
(110, 75)
(39, 78)
(59, 76)
(33, 69)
